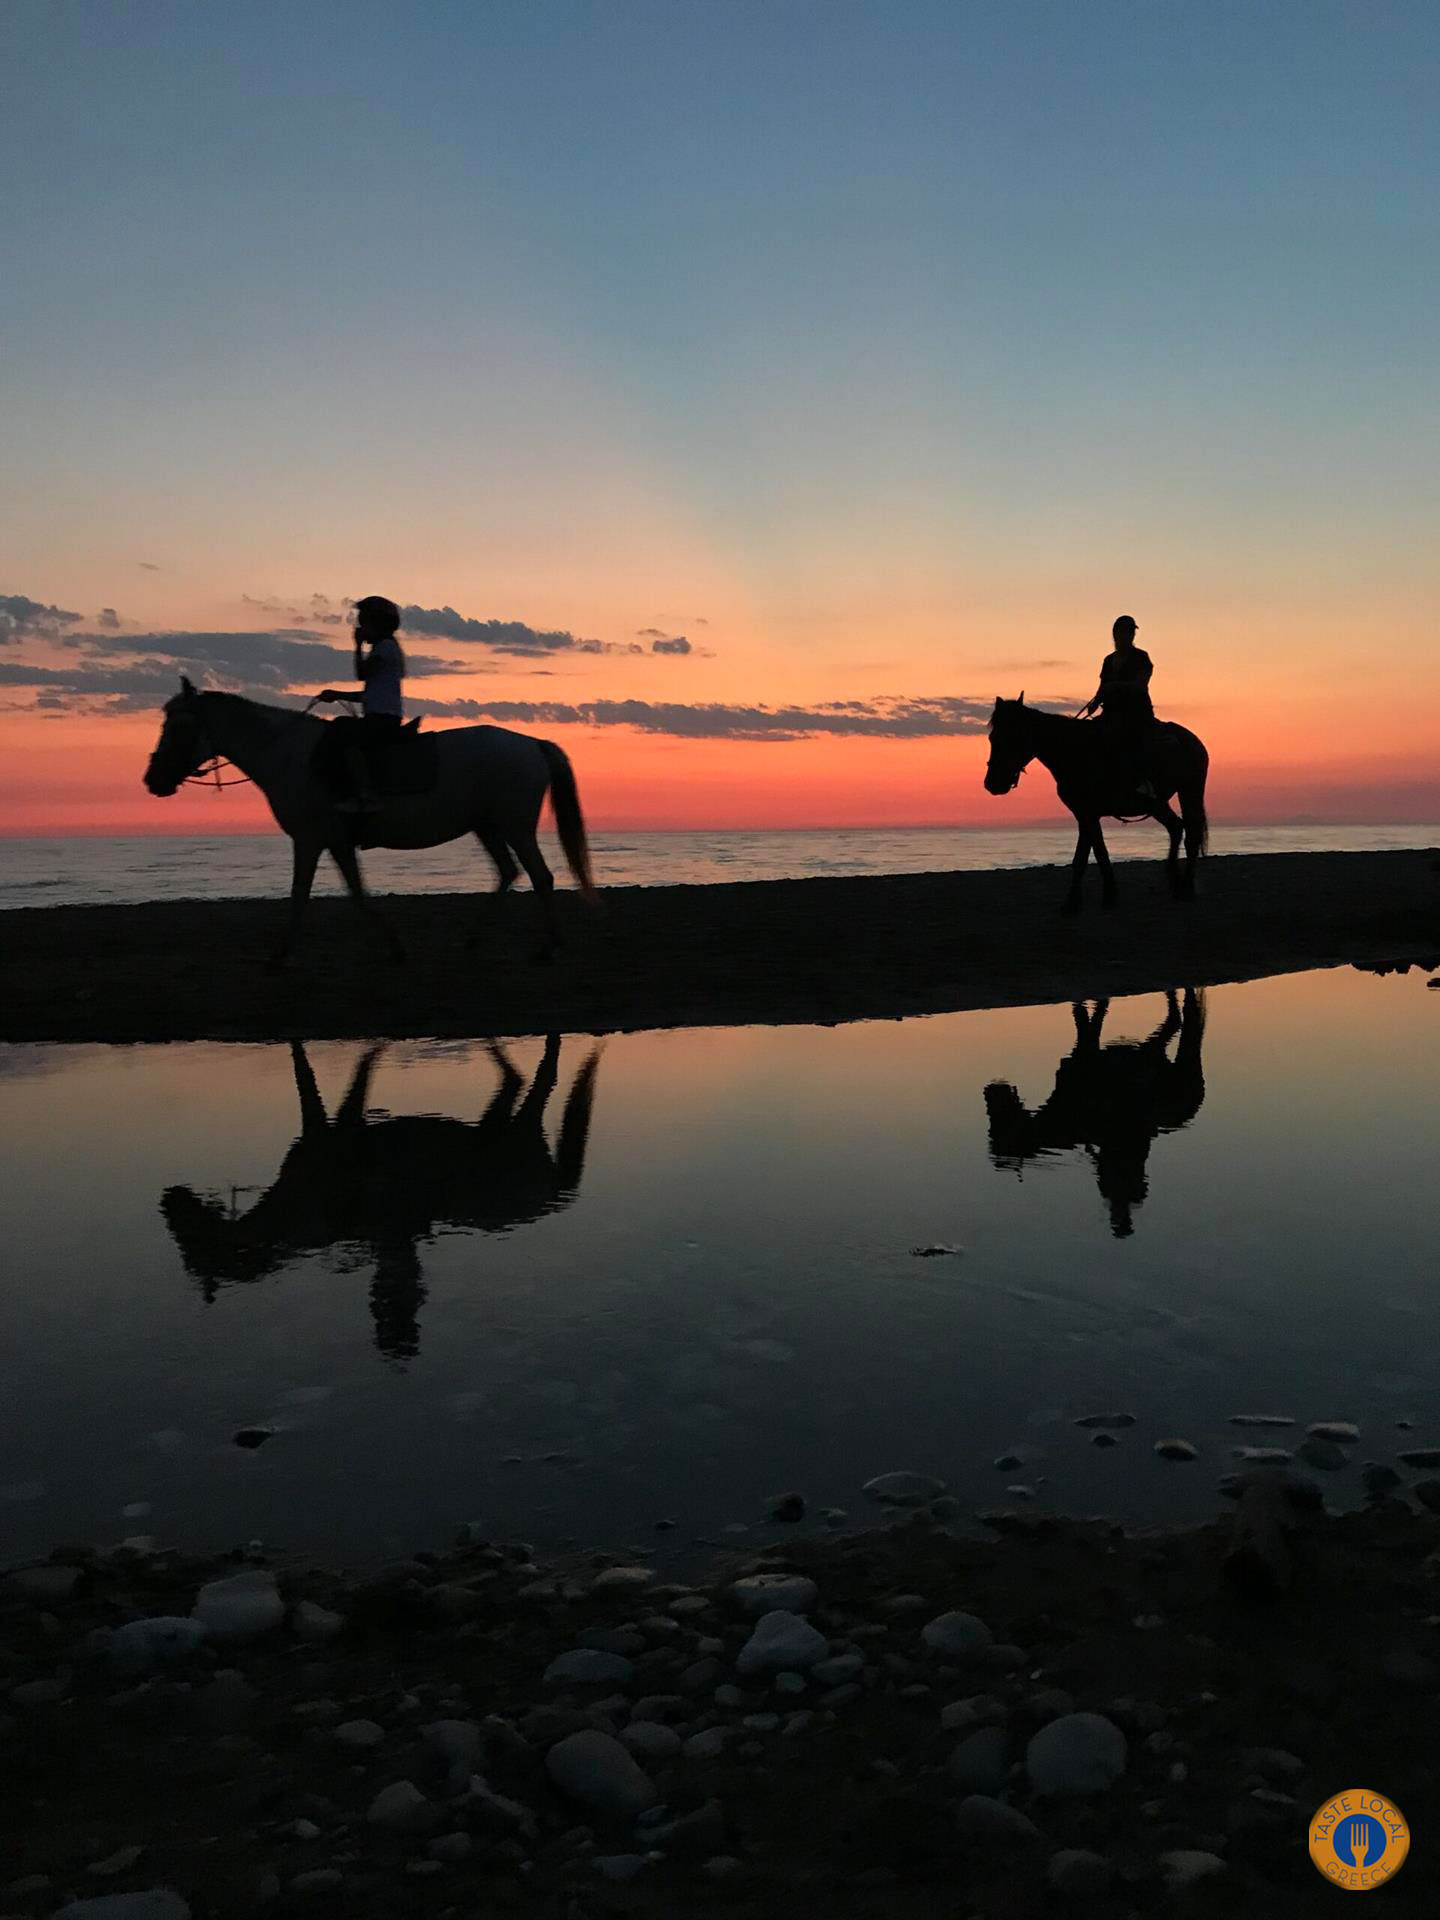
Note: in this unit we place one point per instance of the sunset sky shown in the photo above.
(741, 394)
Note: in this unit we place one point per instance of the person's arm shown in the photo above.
(341, 693)
(1147, 667)
(1095, 700)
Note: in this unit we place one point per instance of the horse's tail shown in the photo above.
(569, 821)
(1202, 821)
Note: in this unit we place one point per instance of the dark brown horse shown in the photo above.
(1079, 753)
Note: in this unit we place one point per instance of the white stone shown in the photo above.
(763, 1593)
(455, 1741)
(982, 1818)
(242, 1606)
(402, 1808)
(589, 1667)
(903, 1489)
(622, 1579)
(360, 1734)
(956, 1636)
(619, 1866)
(781, 1643)
(1078, 1872)
(1077, 1754)
(648, 1740)
(315, 1624)
(1187, 1865)
(142, 1644)
(595, 1769)
(708, 1745)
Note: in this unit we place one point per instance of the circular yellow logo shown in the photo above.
(1359, 1839)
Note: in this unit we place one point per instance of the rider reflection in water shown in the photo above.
(381, 669)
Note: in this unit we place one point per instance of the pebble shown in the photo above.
(700, 1833)
(1186, 1867)
(1379, 1479)
(1007, 1462)
(1103, 1440)
(141, 1645)
(1177, 1450)
(594, 1769)
(648, 1740)
(1272, 1762)
(724, 1866)
(1334, 1430)
(402, 1808)
(622, 1579)
(781, 1643)
(1264, 1456)
(359, 1734)
(619, 1866)
(956, 1636)
(315, 1624)
(450, 1847)
(304, 1830)
(1074, 1872)
(37, 1693)
(120, 1861)
(1080, 1753)
(982, 1818)
(48, 1584)
(252, 1436)
(706, 1745)
(1322, 1453)
(903, 1489)
(318, 1880)
(156, 1903)
(835, 1671)
(1107, 1420)
(762, 1593)
(786, 1506)
(1261, 1420)
(588, 1667)
(242, 1606)
(790, 1683)
(981, 1764)
(1420, 1457)
(1427, 1492)
(1409, 1668)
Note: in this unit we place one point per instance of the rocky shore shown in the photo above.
(1062, 1716)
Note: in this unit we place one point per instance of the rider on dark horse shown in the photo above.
(1123, 702)
(381, 669)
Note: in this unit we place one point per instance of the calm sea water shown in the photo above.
(680, 1279)
(37, 872)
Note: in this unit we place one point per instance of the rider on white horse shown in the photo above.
(381, 670)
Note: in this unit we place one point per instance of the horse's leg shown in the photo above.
(1083, 830)
(1102, 860)
(1173, 825)
(506, 869)
(527, 850)
(1192, 806)
(306, 857)
(344, 856)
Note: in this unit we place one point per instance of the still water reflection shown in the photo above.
(570, 1296)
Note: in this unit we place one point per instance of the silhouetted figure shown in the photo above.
(1092, 785)
(1127, 716)
(1111, 1100)
(386, 1183)
(380, 669)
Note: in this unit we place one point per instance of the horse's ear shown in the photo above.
(1022, 696)
(187, 686)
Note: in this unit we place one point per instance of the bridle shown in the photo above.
(207, 771)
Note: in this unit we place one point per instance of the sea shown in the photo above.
(43, 872)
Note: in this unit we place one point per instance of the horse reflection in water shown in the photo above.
(1111, 1100)
(382, 1184)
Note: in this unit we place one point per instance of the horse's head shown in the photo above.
(182, 746)
(1012, 745)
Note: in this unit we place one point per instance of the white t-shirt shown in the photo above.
(384, 671)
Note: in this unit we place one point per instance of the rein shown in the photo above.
(207, 772)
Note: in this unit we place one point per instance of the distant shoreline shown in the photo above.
(752, 953)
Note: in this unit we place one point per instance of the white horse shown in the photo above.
(489, 782)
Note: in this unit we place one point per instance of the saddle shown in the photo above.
(400, 767)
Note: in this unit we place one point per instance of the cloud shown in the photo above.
(662, 642)
(149, 566)
(502, 636)
(320, 611)
(108, 619)
(22, 618)
(892, 718)
(1024, 666)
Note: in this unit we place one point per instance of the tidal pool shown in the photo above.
(570, 1289)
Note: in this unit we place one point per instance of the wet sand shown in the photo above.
(760, 952)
